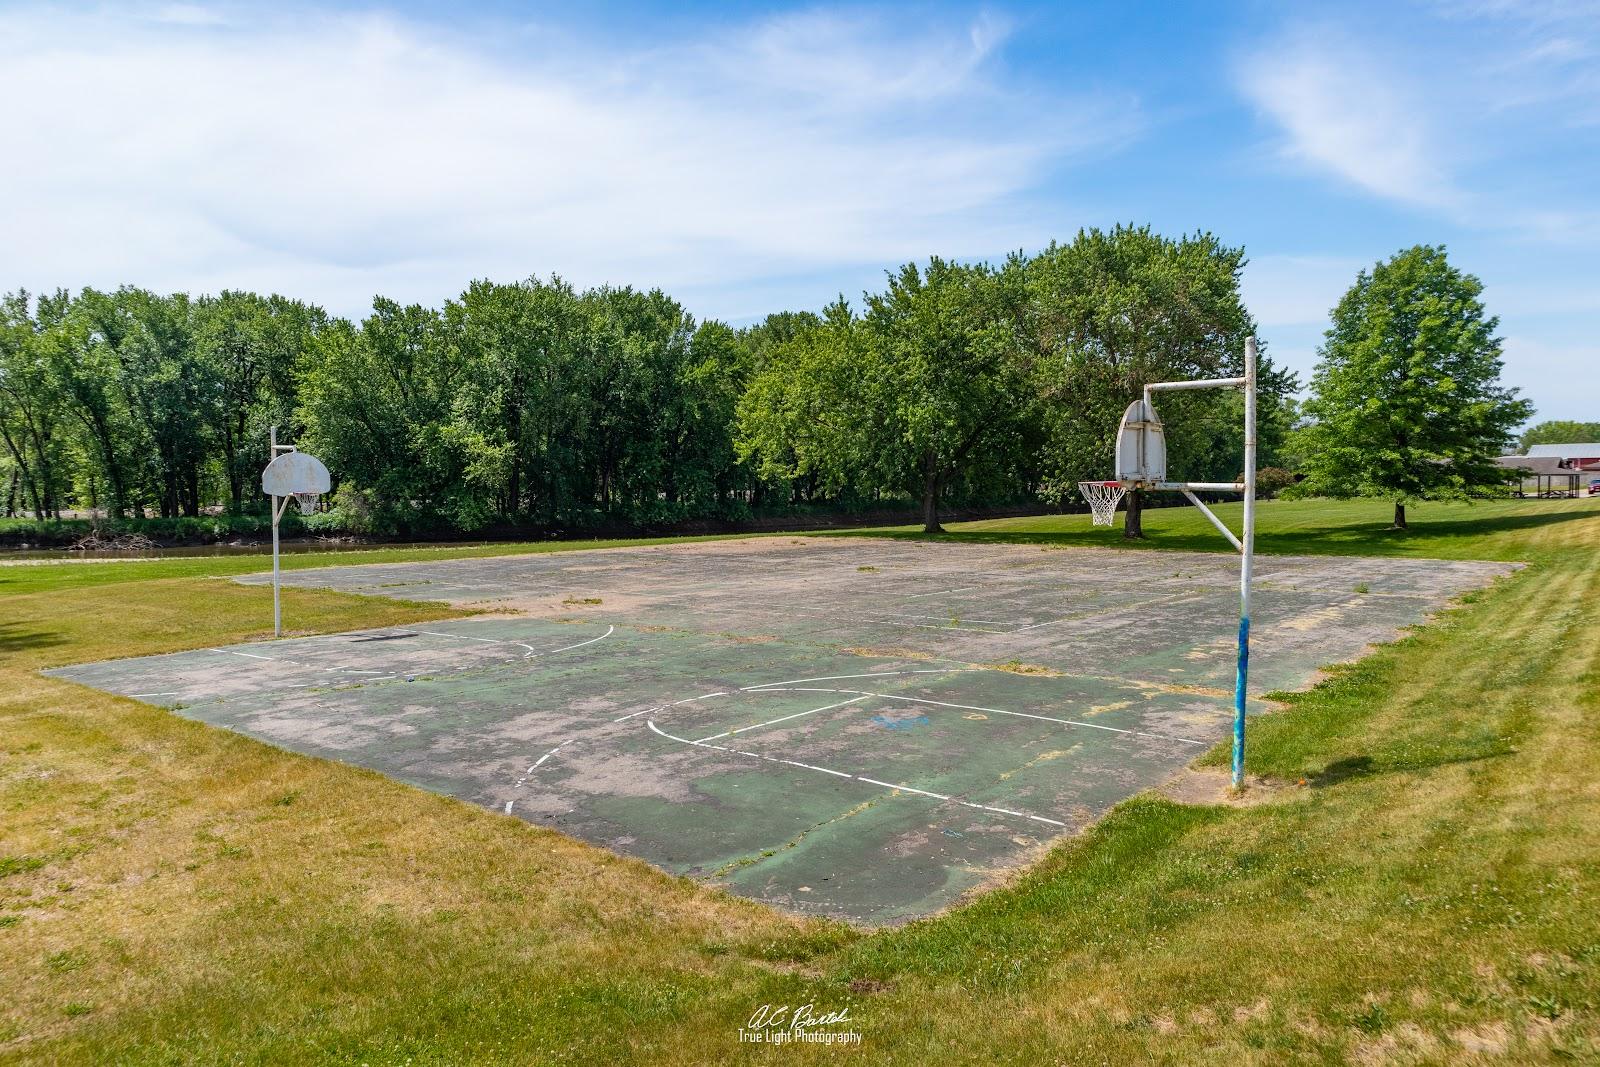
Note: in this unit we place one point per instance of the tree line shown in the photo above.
(536, 404)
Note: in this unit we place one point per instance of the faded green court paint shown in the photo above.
(770, 716)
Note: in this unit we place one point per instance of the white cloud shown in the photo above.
(1487, 121)
(1341, 110)
(335, 156)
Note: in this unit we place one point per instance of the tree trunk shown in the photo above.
(19, 458)
(1399, 515)
(1133, 518)
(930, 494)
(230, 463)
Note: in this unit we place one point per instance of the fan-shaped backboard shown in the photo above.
(1141, 448)
(295, 472)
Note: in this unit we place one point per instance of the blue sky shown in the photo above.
(751, 158)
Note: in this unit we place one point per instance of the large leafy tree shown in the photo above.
(82, 363)
(929, 388)
(947, 378)
(378, 406)
(517, 415)
(800, 420)
(1559, 432)
(131, 360)
(250, 351)
(635, 348)
(32, 429)
(1114, 310)
(1406, 402)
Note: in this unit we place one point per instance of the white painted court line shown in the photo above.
(905, 788)
(532, 653)
(943, 592)
(568, 648)
(664, 707)
(785, 718)
(811, 767)
(540, 762)
(296, 663)
(1119, 610)
(790, 686)
(870, 674)
(1044, 718)
(381, 675)
(469, 637)
(854, 777)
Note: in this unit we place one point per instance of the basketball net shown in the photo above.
(1103, 498)
(307, 502)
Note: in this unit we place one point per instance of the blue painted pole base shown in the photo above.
(1240, 685)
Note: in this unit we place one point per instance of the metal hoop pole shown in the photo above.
(277, 604)
(1247, 562)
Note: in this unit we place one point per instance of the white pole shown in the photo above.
(1247, 561)
(277, 606)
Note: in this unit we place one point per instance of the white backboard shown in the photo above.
(1141, 447)
(295, 472)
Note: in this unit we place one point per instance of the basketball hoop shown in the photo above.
(1103, 498)
(291, 475)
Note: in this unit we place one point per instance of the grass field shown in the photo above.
(1416, 884)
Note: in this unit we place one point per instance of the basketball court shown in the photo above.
(860, 728)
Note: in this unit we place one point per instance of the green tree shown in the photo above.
(250, 350)
(1115, 310)
(1406, 402)
(1559, 432)
(31, 405)
(928, 388)
(800, 419)
(83, 366)
(517, 413)
(947, 378)
(378, 404)
(141, 343)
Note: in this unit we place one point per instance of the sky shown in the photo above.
(751, 158)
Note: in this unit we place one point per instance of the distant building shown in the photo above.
(1550, 475)
(1582, 455)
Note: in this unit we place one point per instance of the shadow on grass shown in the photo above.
(1370, 538)
(15, 638)
(1494, 523)
(1352, 768)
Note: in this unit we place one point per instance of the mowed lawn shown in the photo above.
(1416, 880)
